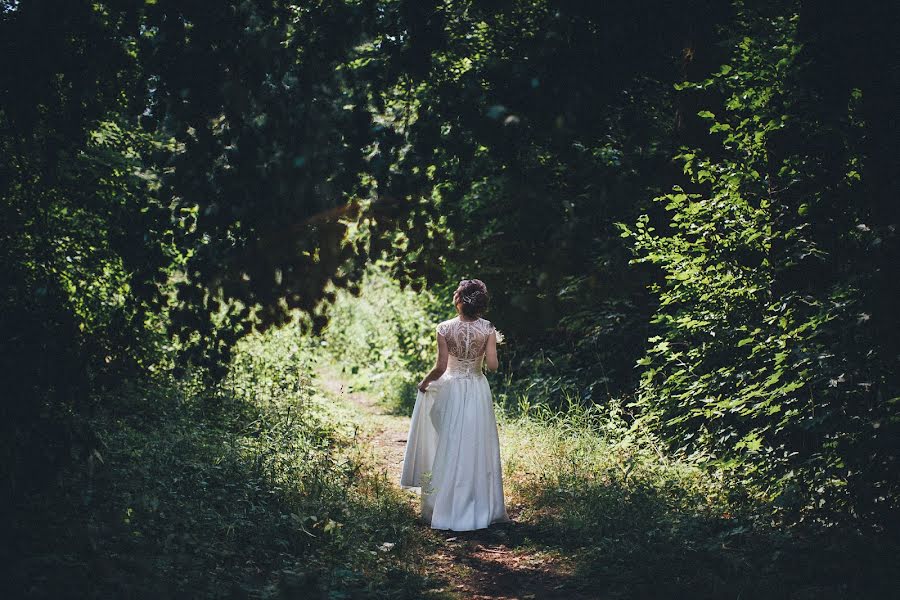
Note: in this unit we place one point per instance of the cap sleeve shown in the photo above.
(442, 328)
(491, 328)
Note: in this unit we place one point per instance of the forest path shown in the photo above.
(503, 562)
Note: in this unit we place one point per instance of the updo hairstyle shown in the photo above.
(474, 297)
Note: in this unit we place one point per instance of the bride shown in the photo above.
(453, 451)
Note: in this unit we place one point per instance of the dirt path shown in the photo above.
(387, 437)
(498, 563)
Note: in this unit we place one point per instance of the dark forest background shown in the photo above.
(689, 206)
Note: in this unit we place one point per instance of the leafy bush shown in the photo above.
(765, 361)
(84, 257)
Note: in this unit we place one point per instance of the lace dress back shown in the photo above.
(453, 448)
(467, 343)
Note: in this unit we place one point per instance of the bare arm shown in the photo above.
(490, 353)
(440, 364)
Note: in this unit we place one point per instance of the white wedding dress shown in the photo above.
(453, 451)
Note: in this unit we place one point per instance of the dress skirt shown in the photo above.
(453, 454)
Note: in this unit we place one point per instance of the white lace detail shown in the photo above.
(467, 343)
(461, 367)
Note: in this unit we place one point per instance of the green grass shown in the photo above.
(638, 524)
(262, 488)
(256, 489)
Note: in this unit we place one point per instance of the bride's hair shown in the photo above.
(474, 297)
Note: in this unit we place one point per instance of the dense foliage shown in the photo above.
(156, 203)
(770, 354)
(765, 341)
(684, 211)
(535, 127)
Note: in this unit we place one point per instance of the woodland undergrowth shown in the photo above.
(590, 482)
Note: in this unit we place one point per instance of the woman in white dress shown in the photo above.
(453, 450)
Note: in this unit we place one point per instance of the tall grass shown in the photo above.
(639, 524)
(251, 489)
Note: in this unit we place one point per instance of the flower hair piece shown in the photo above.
(473, 296)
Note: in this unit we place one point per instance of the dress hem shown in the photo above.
(494, 522)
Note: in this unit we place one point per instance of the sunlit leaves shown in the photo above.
(744, 350)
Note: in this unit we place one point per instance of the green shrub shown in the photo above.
(765, 360)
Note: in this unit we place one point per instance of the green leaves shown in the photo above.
(747, 299)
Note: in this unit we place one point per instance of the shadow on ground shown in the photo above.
(637, 540)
